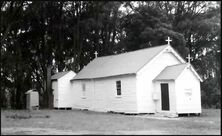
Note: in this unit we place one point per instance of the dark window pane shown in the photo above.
(118, 87)
(118, 92)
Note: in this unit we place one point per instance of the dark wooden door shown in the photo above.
(165, 96)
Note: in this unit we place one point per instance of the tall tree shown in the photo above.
(38, 35)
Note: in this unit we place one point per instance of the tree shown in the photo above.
(38, 35)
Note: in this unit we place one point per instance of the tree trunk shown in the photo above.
(49, 90)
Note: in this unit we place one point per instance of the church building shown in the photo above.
(151, 80)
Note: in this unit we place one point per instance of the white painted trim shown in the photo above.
(184, 61)
(194, 72)
(175, 53)
(167, 49)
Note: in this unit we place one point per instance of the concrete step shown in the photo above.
(169, 115)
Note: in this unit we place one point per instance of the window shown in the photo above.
(83, 90)
(118, 87)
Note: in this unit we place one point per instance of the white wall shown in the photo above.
(78, 101)
(172, 96)
(185, 103)
(101, 94)
(145, 86)
(34, 98)
(64, 90)
(55, 93)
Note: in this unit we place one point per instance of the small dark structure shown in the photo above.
(32, 99)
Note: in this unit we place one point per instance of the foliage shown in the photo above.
(36, 35)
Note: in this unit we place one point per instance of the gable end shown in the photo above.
(170, 49)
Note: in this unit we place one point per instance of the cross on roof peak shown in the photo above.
(189, 58)
(96, 53)
(168, 40)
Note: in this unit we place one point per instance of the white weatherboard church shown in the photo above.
(151, 80)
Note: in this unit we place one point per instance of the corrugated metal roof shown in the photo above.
(59, 75)
(121, 64)
(171, 72)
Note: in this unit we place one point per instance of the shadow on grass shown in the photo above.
(16, 116)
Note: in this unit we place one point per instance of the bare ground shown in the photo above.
(76, 122)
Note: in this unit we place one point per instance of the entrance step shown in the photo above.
(169, 115)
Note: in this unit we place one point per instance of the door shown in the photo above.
(165, 96)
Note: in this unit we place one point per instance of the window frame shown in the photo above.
(118, 88)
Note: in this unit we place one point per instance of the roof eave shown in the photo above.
(193, 70)
(102, 77)
(175, 53)
(61, 76)
(54, 79)
(152, 59)
(195, 73)
(154, 80)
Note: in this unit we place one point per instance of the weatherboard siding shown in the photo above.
(78, 99)
(145, 85)
(64, 86)
(185, 103)
(101, 94)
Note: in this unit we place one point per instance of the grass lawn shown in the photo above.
(22, 122)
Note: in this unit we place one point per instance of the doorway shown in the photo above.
(165, 96)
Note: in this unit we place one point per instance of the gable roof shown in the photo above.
(59, 75)
(171, 72)
(121, 64)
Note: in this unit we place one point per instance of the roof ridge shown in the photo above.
(60, 74)
(152, 57)
(113, 65)
(132, 51)
(177, 64)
